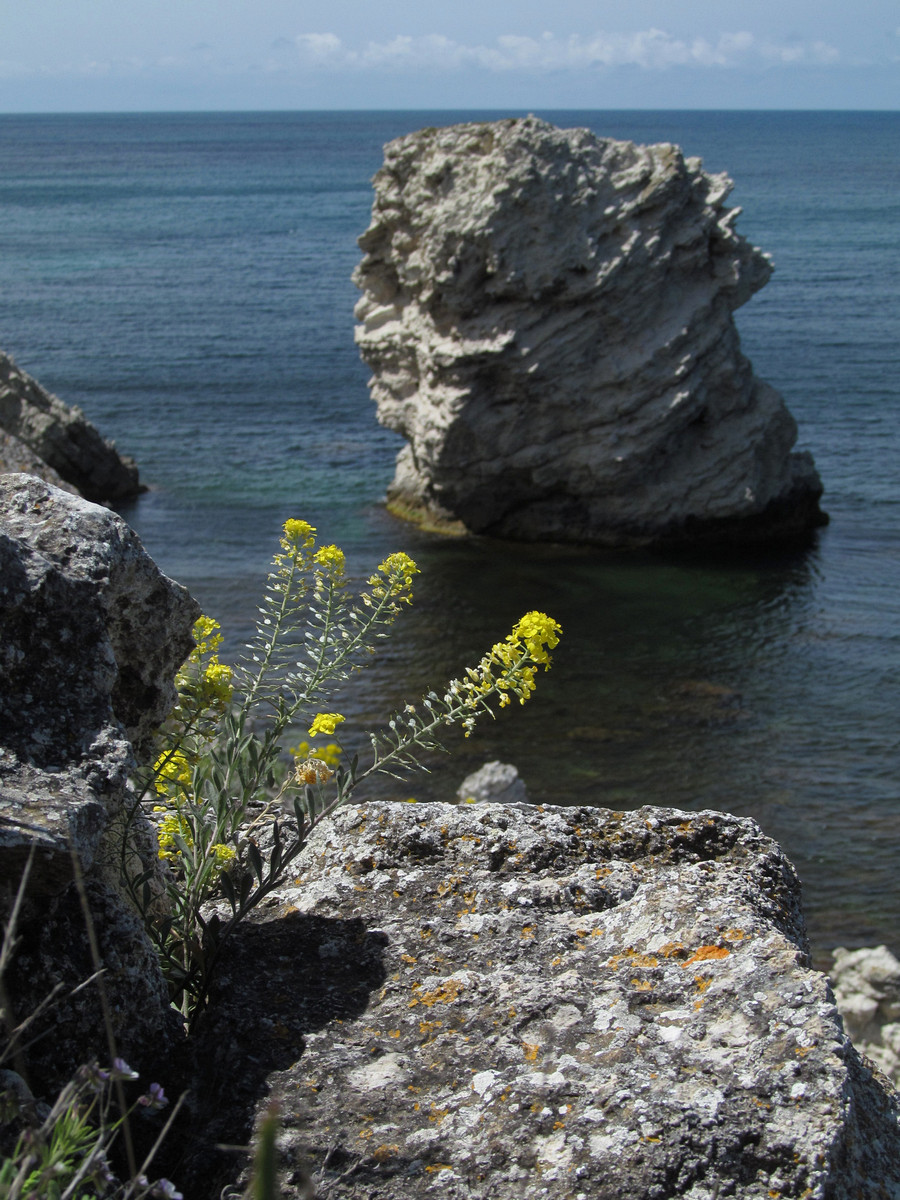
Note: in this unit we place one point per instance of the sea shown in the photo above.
(186, 280)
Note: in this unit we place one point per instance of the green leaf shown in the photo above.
(255, 858)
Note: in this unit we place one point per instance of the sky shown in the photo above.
(149, 55)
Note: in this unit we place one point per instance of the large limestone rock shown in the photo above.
(91, 634)
(59, 436)
(509, 1001)
(867, 993)
(548, 318)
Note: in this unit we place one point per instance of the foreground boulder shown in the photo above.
(61, 437)
(511, 1001)
(91, 634)
(548, 318)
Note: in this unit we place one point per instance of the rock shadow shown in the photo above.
(281, 979)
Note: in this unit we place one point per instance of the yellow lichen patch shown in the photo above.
(512, 1012)
(393, 1033)
(556, 961)
(641, 985)
(530, 1050)
(445, 993)
(428, 1027)
(383, 1153)
(734, 935)
(702, 983)
(365, 1133)
(634, 959)
(802, 1051)
(559, 1124)
(408, 958)
(436, 1116)
(439, 1167)
(425, 933)
(671, 948)
(527, 931)
(706, 954)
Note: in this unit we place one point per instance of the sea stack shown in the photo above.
(548, 318)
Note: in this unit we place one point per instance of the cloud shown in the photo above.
(651, 49)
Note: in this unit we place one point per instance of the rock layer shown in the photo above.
(548, 316)
(61, 437)
(511, 1001)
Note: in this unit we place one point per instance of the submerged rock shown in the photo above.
(495, 782)
(510, 1001)
(61, 437)
(548, 318)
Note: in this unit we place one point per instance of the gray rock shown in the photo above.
(867, 993)
(92, 631)
(63, 438)
(17, 458)
(91, 634)
(495, 782)
(523, 1002)
(548, 318)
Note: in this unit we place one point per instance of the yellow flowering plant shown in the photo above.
(217, 790)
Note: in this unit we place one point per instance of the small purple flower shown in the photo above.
(155, 1098)
(121, 1070)
(165, 1189)
(91, 1075)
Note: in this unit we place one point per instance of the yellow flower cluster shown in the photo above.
(394, 579)
(510, 667)
(175, 824)
(208, 682)
(207, 637)
(325, 723)
(298, 533)
(537, 633)
(332, 559)
(171, 772)
(172, 824)
(223, 854)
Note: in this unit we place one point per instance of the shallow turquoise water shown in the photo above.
(185, 278)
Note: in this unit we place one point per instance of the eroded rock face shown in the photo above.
(91, 634)
(61, 437)
(522, 1002)
(548, 318)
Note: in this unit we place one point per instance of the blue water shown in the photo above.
(186, 280)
